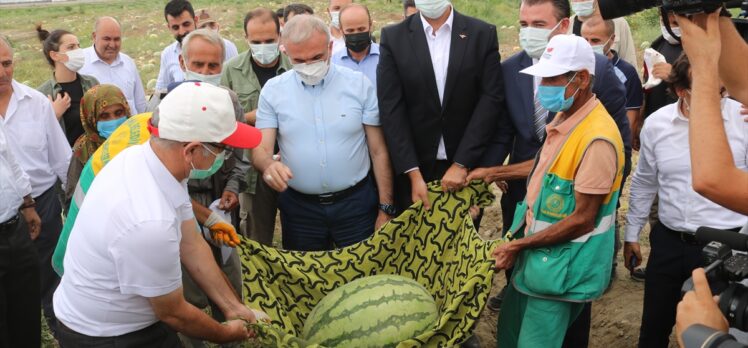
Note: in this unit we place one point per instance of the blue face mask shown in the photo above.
(106, 128)
(552, 97)
(200, 174)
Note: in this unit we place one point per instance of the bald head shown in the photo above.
(355, 18)
(107, 38)
(599, 32)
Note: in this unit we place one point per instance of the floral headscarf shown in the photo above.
(93, 102)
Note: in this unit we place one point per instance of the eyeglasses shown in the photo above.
(221, 153)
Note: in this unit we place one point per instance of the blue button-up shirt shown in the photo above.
(368, 66)
(321, 128)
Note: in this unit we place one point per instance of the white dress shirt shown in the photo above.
(439, 46)
(121, 73)
(110, 276)
(14, 183)
(36, 138)
(664, 169)
(170, 71)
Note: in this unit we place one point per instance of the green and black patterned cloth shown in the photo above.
(439, 248)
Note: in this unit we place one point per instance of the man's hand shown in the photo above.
(699, 307)
(455, 178)
(701, 39)
(277, 176)
(503, 186)
(236, 331)
(419, 192)
(251, 117)
(60, 104)
(382, 218)
(744, 112)
(221, 231)
(242, 312)
(505, 255)
(479, 174)
(229, 201)
(33, 221)
(631, 249)
(662, 70)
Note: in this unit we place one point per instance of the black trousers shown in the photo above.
(49, 208)
(20, 309)
(671, 262)
(158, 335)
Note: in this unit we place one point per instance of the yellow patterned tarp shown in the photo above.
(440, 249)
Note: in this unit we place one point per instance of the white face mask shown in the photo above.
(669, 38)
(535, 40)
(432, 9)
(601, 48)
(265, 53)
(583, 8)
(214, 80)
(335, 19)
(76, 59)
(312, 73)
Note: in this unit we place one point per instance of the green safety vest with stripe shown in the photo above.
(133, 132)
(577, 270)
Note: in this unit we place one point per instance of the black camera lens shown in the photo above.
(619, 8)
(733, 303)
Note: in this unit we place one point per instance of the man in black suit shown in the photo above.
(540, 20)
(440, 91)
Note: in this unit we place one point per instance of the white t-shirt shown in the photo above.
(124, 247)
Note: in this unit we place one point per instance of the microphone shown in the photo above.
(734, 240)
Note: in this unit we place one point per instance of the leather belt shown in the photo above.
(9, 224)
(332, 197)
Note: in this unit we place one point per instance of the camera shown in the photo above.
(724, 271)
(619, 8)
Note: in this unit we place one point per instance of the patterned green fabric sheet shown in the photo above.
(439, 248)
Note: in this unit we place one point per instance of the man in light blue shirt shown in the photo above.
(326, 121)
(360, 53)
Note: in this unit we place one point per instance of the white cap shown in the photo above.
(197, 111)
(564, 53)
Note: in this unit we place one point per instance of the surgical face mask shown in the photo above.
(535, 40)
(200, 174)
(265, 53)
(358, 42)
(214, 80)
(76, 59)
(335, 19)
(552, 97)
(669, 38)
(432, 8)
(601, 48)
(583, 8)
(312, 73)
(106, 128)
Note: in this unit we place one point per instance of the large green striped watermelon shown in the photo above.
(376, 311)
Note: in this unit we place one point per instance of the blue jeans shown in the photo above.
(311, 226)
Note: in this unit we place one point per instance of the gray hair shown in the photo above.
(301, 27)
(206, 34)
(4, 41)
(101, 19)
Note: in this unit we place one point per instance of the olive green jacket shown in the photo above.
(239, 76)
(51, 88)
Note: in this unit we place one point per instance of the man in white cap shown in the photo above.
(122, 284)
(562, 247)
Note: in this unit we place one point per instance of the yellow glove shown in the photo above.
(222, 232)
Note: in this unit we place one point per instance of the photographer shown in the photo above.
(703, 37)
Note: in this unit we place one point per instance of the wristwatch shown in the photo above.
(388, 209)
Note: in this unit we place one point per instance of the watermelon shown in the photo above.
(376, 311)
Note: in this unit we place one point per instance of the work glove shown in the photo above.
(221, 232)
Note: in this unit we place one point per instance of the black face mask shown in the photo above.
(358, 42)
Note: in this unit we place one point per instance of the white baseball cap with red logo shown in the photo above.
(564, 53)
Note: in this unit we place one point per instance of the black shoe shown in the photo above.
(472, 342)
(639, 274)
(494, 303)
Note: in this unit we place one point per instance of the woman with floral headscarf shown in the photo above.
(103, 109)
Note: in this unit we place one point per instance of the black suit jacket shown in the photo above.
(413, 119)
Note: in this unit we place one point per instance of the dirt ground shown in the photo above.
(615, 317)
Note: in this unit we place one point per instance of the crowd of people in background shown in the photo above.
(338, 132)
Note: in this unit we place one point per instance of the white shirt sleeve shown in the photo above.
(146, 258)
(371, 105)
(266, 115)
(141, 105)
(162, 83)
(18, 175)
(59, 151)
(644, 187)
